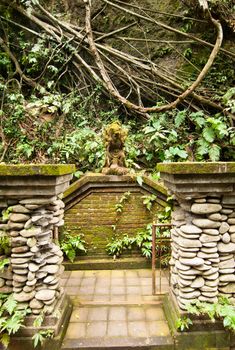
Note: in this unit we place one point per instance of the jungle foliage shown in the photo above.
(53, 111)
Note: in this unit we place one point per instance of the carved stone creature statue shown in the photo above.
(114, 138)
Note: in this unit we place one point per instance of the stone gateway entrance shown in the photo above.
(92, 208)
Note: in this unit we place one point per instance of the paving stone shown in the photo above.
(76, 330)
(98, 314)
(131, 273)
(117, 329)
(133, 290)
(158, 328)
(75, 274)
(117, 273)
(154, 313)
(96, 329)
(137, 327)
(117, 281)
(118, 298)
(79, 314)
(116, 290)
(117, 313)
(135, 314)
(73, 291)
(85, 282)
(102, 290)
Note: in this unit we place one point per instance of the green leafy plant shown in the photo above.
(40, 337)
(119, 206)
(4, 243)
(43, 334)
(117, 246)
(148, 201)
(183, 323)
(6, 214)
(223, 310)
(4, 263)
(72, 245)
(11, 319)
(143, 241)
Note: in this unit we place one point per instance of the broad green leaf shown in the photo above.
(208, 134)
(182, 154)
(139, 179)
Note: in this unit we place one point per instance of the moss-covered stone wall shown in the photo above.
(94, 213)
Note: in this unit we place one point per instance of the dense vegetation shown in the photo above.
(52, 111)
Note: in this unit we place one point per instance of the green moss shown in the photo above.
(36, 169)
(197, 168)
(100, 178)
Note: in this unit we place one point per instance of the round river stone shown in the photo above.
(205, 208)
(45, 294)
(206, 223)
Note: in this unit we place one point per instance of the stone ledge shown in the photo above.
(108, 263)
(195, 179)
(197, 168)
(36, 169)
(95, 178)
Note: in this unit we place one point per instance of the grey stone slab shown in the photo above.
(158, 328)
(137, 329)
(96, 329)
(98, 314)
(117, 313)
(76, 330)
(135, 314)
(153, 313)
(117, 329)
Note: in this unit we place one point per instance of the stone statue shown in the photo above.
(114, 138)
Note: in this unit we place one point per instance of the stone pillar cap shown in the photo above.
(36, 169)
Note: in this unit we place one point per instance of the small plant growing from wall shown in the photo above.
(71, 246)
(148, 201)
(11, 318)
(120, 205)
(143, 239)
(40, 337)
(223, 310)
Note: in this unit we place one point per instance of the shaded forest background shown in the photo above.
(68, 68)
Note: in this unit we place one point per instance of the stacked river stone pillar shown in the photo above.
(33, 212)
(203, 233)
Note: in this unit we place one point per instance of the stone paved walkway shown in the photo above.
(115, 308)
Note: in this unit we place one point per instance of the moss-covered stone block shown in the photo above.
(197, 168)
(36, 169)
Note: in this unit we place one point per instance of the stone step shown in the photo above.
(118, 326)
(154, 343)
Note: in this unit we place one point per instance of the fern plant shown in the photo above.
(43, 334)
(11, 319)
